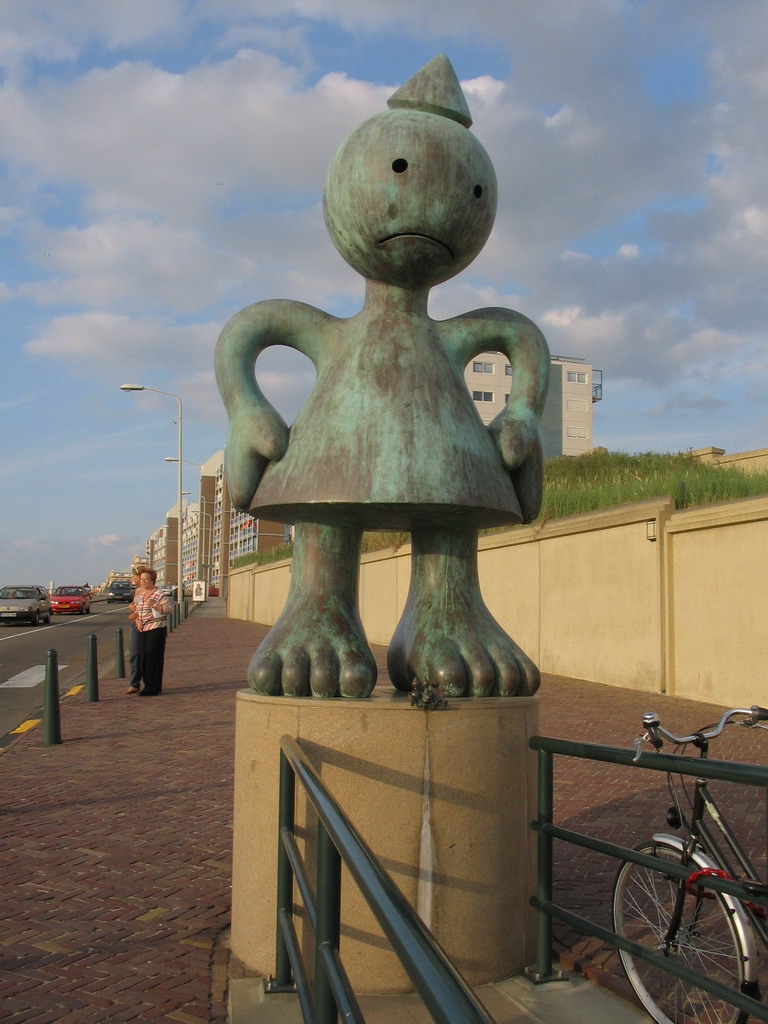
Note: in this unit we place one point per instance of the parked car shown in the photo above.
(120, 590)
(169, 589)
(71, 599)
(25, 603)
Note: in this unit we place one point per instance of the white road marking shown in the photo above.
(29, 677)
(70, 620)
(25, 632)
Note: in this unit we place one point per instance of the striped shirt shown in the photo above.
(146, 620)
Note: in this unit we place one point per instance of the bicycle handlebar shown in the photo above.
(654, 730)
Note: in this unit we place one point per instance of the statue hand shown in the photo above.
(516, 433)
(518, 437)
(258, 435)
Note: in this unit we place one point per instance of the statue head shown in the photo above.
(410, 195)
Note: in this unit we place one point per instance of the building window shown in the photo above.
(508, 370)
(506, 399)
(576, 378)
(478, 367)
(577, 432)
(482, 396)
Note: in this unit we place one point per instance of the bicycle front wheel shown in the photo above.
(706, 941)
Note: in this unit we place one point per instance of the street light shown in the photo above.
(173, 458)
(179, 566)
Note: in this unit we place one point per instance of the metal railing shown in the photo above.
(444, 992)
(725, 771)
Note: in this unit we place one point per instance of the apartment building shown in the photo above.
(566, 422)
(213, 534)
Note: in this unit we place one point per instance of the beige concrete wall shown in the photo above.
(752, 461)
(384, 580)
(749, 462)
(257, 593)
(718, 566)
(592, 597)
(601, 608)
(508, 567)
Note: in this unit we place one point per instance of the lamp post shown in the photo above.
(179, 566)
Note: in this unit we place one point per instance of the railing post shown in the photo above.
(328, 922)
(169, 623)
(51, 715)
(119, 654)
(91, 671)
(284, 870)
(542, 970)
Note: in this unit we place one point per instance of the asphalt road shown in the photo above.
(23, 654)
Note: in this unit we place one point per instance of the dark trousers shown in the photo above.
(133, 657)
(152, 658)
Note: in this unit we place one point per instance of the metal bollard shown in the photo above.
(51, 716)
(119, 654)
(169, 623)
(91, 672)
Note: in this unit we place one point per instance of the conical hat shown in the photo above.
(435, 89)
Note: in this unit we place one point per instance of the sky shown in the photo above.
(162, 166)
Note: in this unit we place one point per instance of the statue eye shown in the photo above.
(399, 165)
(477, 191)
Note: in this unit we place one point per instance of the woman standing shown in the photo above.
(151, 607)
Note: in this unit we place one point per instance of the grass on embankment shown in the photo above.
(601, 479)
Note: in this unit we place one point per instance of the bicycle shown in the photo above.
(711, 932)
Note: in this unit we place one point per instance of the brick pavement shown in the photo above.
(115, 845)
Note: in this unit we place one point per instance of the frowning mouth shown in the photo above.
(418, 234)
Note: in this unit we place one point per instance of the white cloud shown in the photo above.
(108, 540)
(110, 348)
(135, 263)
(49, 30)
(178, 146)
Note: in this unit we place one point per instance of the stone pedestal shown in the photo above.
(443, 798)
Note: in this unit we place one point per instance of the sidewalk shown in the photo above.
(116, 843)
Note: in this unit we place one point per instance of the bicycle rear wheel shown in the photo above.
(708, 941)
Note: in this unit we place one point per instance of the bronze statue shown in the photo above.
(389, 438)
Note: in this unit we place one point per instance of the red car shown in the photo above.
(71, 599)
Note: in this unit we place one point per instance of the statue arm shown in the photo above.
(257, 433)
(516, 430)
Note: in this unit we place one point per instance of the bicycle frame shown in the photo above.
(691, 855)
(735, 861)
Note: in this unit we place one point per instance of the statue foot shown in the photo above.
(467, 653)
(302, 656)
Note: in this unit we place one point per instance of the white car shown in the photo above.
(25, 603)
